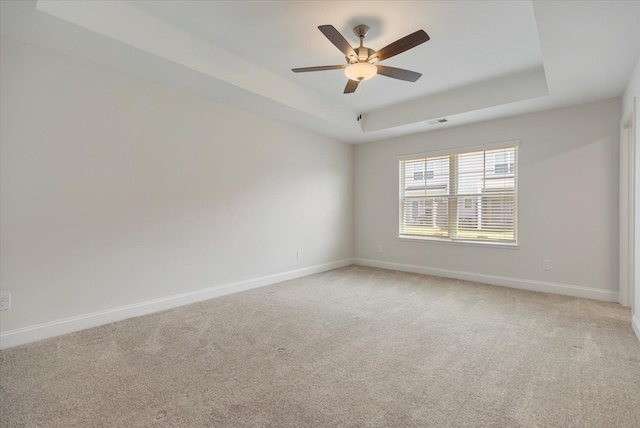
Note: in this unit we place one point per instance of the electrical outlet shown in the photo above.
(298, 254)
(380, 248)
(5, 301)
(546, 264)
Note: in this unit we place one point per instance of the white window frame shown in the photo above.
(454, 151)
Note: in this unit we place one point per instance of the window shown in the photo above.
(419, 174)
(462, 196)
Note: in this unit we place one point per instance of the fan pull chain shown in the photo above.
(360, 100)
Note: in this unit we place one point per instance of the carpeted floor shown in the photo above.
(352, 347)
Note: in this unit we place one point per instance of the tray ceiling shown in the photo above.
(485, 59)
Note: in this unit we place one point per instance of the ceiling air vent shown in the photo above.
(437, 121)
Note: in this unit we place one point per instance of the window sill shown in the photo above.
(501, 245)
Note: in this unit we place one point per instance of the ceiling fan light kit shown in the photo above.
(360, 71)
(361, 61)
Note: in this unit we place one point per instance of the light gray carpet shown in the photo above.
(352, 347)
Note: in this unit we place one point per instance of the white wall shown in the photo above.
(116, 191)
(568, 203)
(632, 93)
(632, 90)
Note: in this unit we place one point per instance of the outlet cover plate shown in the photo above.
(5, 301)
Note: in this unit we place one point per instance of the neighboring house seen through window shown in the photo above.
(505, 163)
(466, 196)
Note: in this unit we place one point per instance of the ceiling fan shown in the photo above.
(361, 61)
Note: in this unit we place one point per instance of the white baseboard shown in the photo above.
(635, 323)
(33, 333)
(523, 284)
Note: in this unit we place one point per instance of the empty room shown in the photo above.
(319, 213)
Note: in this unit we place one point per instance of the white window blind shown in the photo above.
(469, 196)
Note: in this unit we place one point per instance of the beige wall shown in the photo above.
(568, 199)
(116, 191)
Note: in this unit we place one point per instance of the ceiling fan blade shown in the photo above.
(336, 38)
(320, 68)
(401, 45)
(351, 87)
(398, 73)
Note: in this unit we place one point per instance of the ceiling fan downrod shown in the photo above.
(363, 53)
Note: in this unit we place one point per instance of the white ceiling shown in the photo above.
(485, 59)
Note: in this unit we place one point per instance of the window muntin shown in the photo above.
(469, 196)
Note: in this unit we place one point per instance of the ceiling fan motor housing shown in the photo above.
(363, 53)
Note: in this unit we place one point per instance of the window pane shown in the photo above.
(470, 173)
(502, 161)
(414, 175)
(437, 182)
(425, 216)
